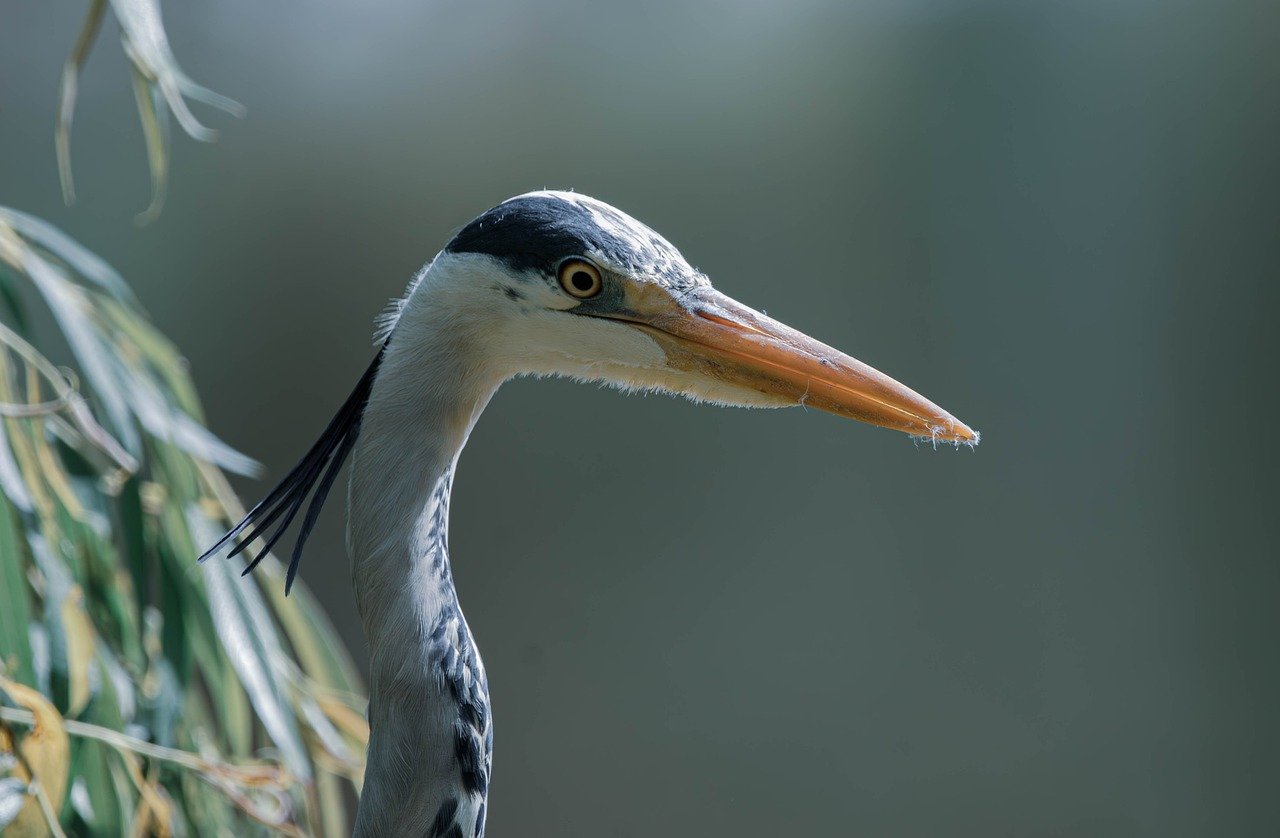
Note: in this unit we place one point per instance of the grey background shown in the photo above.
(1056, 220)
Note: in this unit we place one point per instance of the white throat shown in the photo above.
(431, 736)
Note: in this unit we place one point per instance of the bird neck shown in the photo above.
(431, 737)
(401, 480)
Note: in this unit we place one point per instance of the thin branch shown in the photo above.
(249, 776)
(46, 808)
(31, 411)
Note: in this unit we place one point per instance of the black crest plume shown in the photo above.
(317, 469)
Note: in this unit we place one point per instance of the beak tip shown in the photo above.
(954, 431)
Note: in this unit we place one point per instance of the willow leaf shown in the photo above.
(46, 751)
(15, 645)
(246, 631)
(11, 481)
(147, 46)
(154, 118)
(67, 302)
(81, 645)
(80, 259)
(103, 605)
(160, 86)
(67, 94)
(95, 799)
(12, 302)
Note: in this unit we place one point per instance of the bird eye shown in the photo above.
(579, 278)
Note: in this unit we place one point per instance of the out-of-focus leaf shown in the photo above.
(55, 477)
(11, 482)
(68, 304)
(323, 729)
(147, 46)
(57, 585)
(124, 795)
(167, 423)
(81, 802)
(160, 85)
(161, 689)
(15, 646)
(66, 416)
(106, 544)
(80, 650)
(13, 794)
(80, 259)
(67, 94)
(332, 813)
(252, 645)
(45, 750)
(128, 393)
(317, 644)
(158, 352)
(350, 721)
(154, 815)
(237, 720)
(121, 688)
(12, 302)
(41, 658)
(154, 117)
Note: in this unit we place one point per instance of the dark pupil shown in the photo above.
(582, 281)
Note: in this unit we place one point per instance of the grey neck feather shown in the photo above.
(431, 734)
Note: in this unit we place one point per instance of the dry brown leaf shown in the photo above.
(46, 751)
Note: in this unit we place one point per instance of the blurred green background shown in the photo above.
(1058, 221)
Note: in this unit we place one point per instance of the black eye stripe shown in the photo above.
(533, 233)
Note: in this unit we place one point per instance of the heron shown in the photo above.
(544, 284)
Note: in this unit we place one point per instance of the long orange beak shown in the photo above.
(707, 332)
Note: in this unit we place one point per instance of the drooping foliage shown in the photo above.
(141, 693)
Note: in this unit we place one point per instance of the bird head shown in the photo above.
(557, 283)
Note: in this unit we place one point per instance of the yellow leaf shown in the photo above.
(80, 647)
(46, 750)
(154, 813)
(348, 720)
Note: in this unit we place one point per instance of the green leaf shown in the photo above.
(102, 604)
(67, 95)
(147, 46)
(68, 304)
(12, 302)
(160, 86)
(155, 132)
(102, 814)
(251, 642)
(12, 483)
(15, 614)
(80, 259)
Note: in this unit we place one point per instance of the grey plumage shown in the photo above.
(492, 305)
